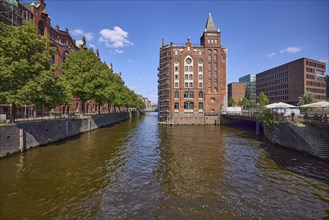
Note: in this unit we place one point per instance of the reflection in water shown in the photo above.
(138, 169)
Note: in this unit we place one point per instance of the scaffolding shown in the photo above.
(164, 84)
(10, 14)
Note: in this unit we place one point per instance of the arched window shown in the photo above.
(41, 29)
(65, 55)
(176, 105)
(209, 51)
(188, 105)
(215, 51)
(200, 105)
(176, 94)
(52, 59)
(189, 95)
(200, 95)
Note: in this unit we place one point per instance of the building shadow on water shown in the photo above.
(294, 161)
(298, 162)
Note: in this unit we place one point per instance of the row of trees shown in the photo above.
(28, 77)
(262, 100)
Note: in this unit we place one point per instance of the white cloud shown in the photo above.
(142, 79)
(131, 61)
(325, 61)
(291, 50)
(77, 32)
(116, 39)
(89, 36)
(271, 54)
(92, 45)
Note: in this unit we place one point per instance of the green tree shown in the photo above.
(307, 98)
(83, 75)
(244, 102)
(25, 70)
(231, 102)
(252, 103)
(262, 99)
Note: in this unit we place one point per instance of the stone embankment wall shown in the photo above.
(22, 136)
(289, 136)
(194, 118)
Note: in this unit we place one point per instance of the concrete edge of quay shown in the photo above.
(20, 137)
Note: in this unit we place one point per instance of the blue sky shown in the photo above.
(258, 34)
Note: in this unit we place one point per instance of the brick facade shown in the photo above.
(192, 79)
(288, 82)
(237, 91)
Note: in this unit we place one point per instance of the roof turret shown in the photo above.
(210, 26)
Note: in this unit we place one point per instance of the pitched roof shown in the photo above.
(210, 26)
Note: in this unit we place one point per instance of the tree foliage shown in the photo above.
(307, 98)
(244, 102)
(89, 79)
(262, 99)
(231, 102)
(27, 77)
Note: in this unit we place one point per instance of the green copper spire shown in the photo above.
(210, 26)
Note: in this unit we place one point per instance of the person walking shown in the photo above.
(292, 116)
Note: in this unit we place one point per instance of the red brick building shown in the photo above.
(13, 13)
(288, 82)
(237, 91)
(192, 79)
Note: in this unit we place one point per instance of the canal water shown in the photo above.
(141, 170)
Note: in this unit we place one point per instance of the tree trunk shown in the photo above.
(13, 113)
(99, 109)
(83, 107)
(109, 108)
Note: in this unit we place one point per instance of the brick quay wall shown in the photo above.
(22, 136)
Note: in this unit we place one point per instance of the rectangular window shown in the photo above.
(186, 85)
(176, 85)
(186, 68)
(209, 73)
(215, 73)
(176, 68)
(200, 76)
(176, 76)
(200, 84)
(209, 66)
(191, 85)
(191, 76)
(191, 68)
(186, 77)
(215, 65)
(200, 69)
